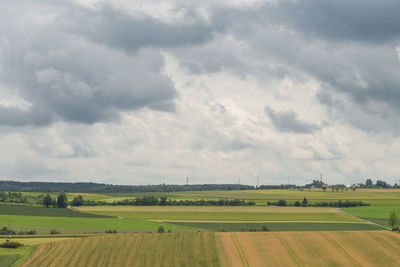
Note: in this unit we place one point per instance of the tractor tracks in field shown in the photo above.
(290, 250)
(239, 249)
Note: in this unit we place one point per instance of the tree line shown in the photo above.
(305, 203)
(110, 188)
(164, 201)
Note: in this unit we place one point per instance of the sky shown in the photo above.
(154, 91)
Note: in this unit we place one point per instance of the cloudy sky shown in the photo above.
(146, 92)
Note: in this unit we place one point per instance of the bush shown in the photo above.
(6, 231)
(161, 229)
(281, 202)
(77, 201)
(54, 232)
(31, 232)
(169, 231)
(10, 245)
(111, 231)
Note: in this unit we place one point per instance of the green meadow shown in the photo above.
(71, 225)
(377, 214)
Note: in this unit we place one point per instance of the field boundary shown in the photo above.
(341, 210)
(197, 221)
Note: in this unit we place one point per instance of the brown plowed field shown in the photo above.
(360, 248)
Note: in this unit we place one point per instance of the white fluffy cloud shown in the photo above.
(155, 91)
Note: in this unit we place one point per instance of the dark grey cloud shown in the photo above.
(287, 121)
(370, 21)
(117, 29)
(70, 78)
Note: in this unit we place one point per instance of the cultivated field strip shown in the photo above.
(182, 213)
(168, 249)
(361, 248)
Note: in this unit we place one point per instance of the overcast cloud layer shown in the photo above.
(146, 92)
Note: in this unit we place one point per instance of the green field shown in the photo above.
(7, 260)
(281, 226)
(71, 225)
(377, 214)
(8, 257)
(42, 211)
(182, 213)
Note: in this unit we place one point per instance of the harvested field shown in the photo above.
(362, 248)
(279, 226)
(168, 249)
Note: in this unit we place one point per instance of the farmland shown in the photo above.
(222, 213)
(279, 226)
(225, 234)
(383, 197)
(8, 257)
(42, 211)
(362, 248)
(71, 225)
(377, 214)
(170, 249)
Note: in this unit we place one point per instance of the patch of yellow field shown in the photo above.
(168, 249)
(210, 208)
(359, 248)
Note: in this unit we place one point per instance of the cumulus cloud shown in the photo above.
(151, 91)
(66, 77)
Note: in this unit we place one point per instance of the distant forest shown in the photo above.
(110, 188)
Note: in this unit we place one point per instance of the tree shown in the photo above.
(297, 203)
(62, 200)
(47, 200)
(160, 229)
(382, 184)
(281, 202)
(368, 183)
(77, 201)
(305, 202)
(393, 219)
